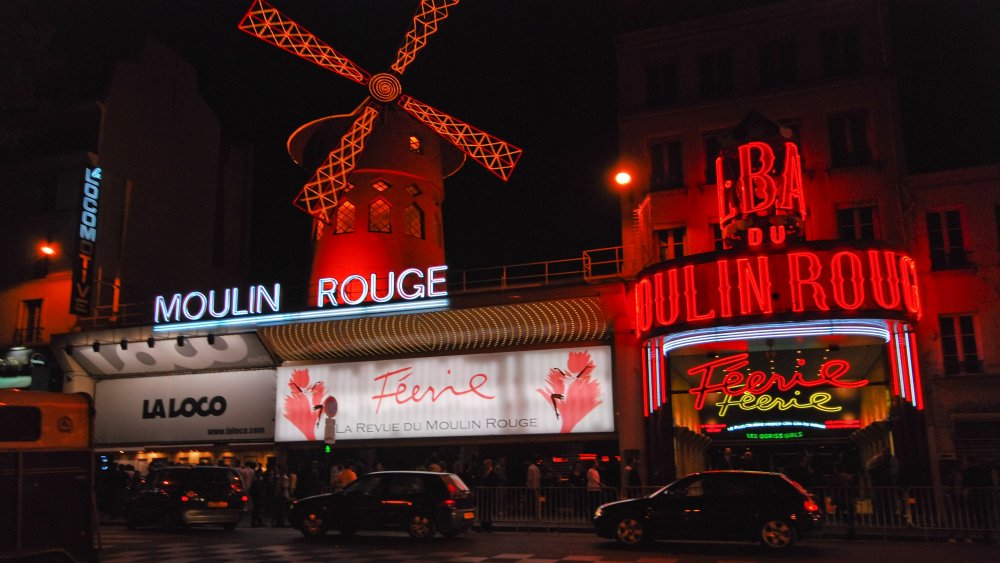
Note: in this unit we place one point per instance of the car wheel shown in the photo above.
(776, 534)
(313, 526)
(229, 526)
(631, 531)
(421, 526)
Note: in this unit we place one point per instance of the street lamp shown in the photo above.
(623, 179)
(47, 248)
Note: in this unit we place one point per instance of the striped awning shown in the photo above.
(460, 330)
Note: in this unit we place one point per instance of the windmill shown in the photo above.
(321, 194)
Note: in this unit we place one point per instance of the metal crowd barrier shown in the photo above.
(886, 511)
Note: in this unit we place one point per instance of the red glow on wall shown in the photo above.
(842, 424)
(848, 281)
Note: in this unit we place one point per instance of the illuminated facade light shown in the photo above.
(47, 249)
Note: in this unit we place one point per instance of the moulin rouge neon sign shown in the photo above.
(752, 391)
(794, 282)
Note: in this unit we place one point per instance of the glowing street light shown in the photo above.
(623, 178)
(47, 249)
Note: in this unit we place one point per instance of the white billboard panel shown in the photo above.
(536, 392)
(200, 407)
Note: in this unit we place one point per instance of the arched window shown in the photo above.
(415, 145)
(345, 218)
(381, 185)
(413, 221)
(379, 215)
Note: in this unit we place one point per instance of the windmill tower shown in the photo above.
(378, 184)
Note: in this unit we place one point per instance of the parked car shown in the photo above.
(188, 495)
(715, 505)
(420, 502)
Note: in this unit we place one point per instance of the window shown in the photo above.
(858, 223)
(716, 74)
(661, 84)
(849, 139)
(381, 185)
(414, 190)
(777, 63)
(29, 328)
(959, 349)
(416, 146)
(20, 424)
(841, 53)
(413, 221)
(714, 143)
(379, 215)
(670, 243)
(666, 166)
(944, 236)
(344, 222)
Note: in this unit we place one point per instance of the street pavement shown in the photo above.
(283, 544)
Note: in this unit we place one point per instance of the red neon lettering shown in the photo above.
(661, 318)
(911, 295)
(401, 397)
(884, 279)
(796, 280)
(691, 297)
(757, 188)
(838, 279)
(643, 302)
(758, 286)
(755, 237)
(734, 383)
(777, 234)
(725, 289)
(791, 181)
(727, 210)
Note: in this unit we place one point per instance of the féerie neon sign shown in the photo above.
(751, 391)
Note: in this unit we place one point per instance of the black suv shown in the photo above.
(420, 502)
(716, 505)
(185, 495)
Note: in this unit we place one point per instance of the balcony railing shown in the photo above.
(592, 266)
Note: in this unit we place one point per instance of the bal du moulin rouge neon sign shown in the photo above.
(758, 201)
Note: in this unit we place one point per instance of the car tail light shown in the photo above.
(811, 505)
(244, 498)
(185, 498)
(449, 503)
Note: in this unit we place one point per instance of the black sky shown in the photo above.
(539, 74)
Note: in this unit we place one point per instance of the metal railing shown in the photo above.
(885, 511)
(592, 265)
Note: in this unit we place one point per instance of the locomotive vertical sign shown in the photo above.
(82, 288)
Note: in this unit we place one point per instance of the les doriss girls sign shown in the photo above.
(538, 392)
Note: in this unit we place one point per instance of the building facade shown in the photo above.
(819, 76)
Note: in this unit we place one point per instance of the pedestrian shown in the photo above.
(631, 479)
(346, 476)
(595, 494)
(533, 482)
(490, 480)
(256, 497)
(282, 496)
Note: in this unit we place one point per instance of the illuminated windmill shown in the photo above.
(341, 166)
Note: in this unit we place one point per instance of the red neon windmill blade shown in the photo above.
(319, 196)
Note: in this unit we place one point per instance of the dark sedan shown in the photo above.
(420, 502)
(188, 495)
(715, 505)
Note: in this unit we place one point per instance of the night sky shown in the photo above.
(538, 74)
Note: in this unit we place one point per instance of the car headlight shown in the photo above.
(599, 512)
